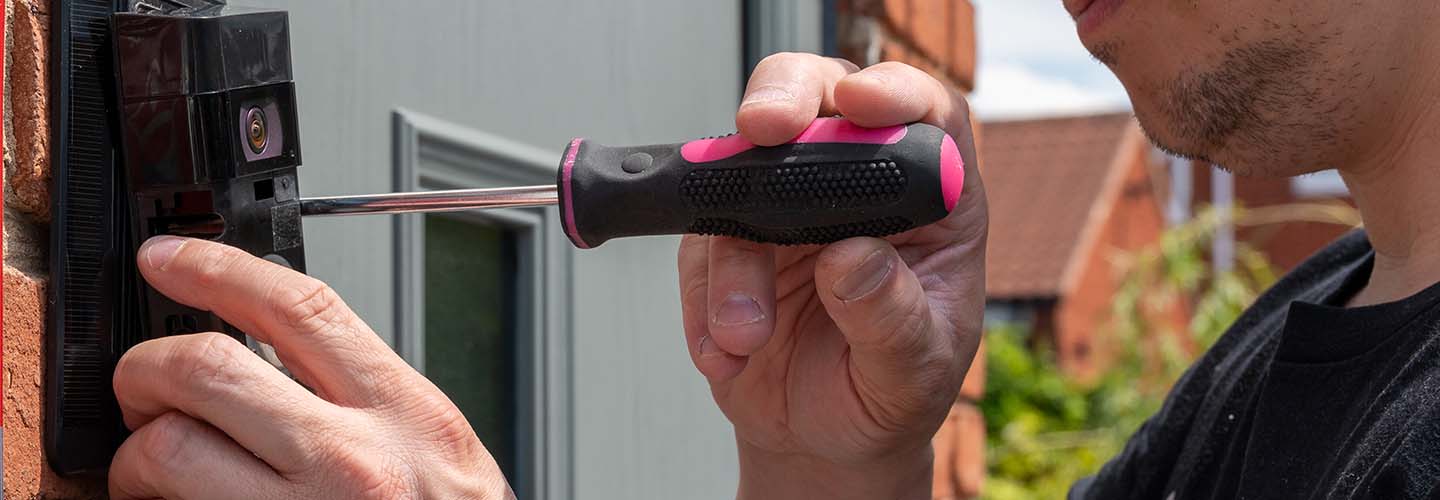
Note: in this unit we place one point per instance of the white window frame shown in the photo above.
(430, 153)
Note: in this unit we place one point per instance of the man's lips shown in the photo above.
(1090, 14)
(1077, 7)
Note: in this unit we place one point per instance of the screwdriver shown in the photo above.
(834, 181)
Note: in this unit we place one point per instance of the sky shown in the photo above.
(1032, 64)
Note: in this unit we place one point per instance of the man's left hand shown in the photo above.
(214, 421)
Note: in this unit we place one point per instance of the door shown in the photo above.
(580, 376)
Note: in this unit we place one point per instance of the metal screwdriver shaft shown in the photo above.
(430, 201)
(834, 181)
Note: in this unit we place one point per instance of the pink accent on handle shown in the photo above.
(822, 130)
(708, 150)
(565, 174)
(842, 131)
(952, 173)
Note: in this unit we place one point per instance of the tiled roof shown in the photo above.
(1043, 178)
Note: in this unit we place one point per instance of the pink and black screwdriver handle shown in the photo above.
(835, 181)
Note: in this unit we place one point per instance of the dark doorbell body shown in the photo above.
(209, 137)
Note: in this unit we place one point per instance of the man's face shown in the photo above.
(1262, 87)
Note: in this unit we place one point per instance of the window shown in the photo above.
(470, 338)
(1010, 312)
(482, 298)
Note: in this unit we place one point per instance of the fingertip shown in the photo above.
(740, 302)
(770, 123)
(157, 253)
(715, 364)
(839, 259)
(741, 325)
(887, 94)
(785, 93)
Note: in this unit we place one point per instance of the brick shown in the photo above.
(892, 50)
(963, 51)
(26, 475)
(897, 13)
(929, 30)
(960, 454)
(973, 388)
(27, 165)
(24, 324)
(937, 36)
(26, 200)
(970, 462)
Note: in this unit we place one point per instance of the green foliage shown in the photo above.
(1046, 431)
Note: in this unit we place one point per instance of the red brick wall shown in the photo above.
(3, 17)
(1285, 244)
(1130, 218)
(26, 200)
(937, 36)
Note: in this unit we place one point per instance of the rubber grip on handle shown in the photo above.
(834, 181)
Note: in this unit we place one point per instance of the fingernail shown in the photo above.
(707, 348)
(767, 94)
(866, 277)
(159, 251)
(738, 309)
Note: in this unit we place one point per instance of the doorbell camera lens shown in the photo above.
(256, 131)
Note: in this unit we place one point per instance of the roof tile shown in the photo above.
(1042, 179)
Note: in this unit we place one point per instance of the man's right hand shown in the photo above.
(837, 363)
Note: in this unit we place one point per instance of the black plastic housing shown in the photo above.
(154, 136)
(190, 87)
(92, 303)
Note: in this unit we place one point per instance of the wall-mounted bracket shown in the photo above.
(177, 117)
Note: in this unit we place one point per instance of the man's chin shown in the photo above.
(1241, 161)
(1104, 52)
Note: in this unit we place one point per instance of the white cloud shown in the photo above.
(1032, 64)
(1014, 91)
(1027, 29)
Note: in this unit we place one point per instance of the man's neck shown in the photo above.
(1397, 187)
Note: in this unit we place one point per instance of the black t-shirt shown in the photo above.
(1301, 398)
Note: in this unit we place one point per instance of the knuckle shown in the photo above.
(209, 363)
(162, 442)
(308, 306)
(213, 263)
(368, 475)
(906, 324)
(440, 423)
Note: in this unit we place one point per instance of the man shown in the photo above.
(836, 364)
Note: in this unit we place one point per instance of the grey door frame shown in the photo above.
(786, 26)
(430, 153)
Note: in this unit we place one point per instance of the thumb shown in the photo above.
(880, 308)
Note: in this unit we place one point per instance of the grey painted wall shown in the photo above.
(539, 72)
